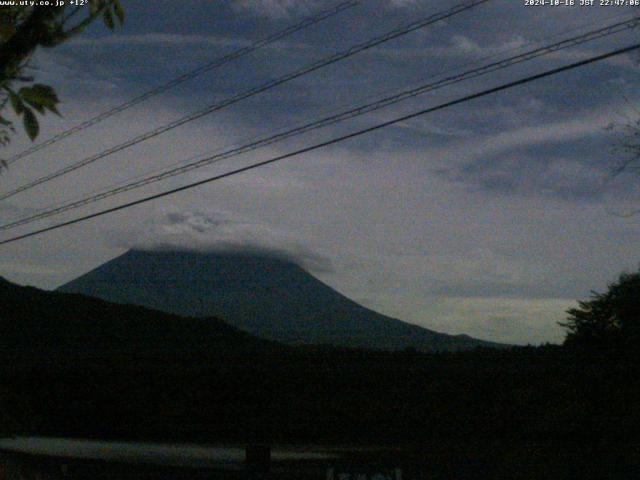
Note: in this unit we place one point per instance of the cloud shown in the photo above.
(565, 178)
(458, 47)
(565, 130)
(276, 8)
(219, 231)
(158, 39)
(462, 45)
(529, 160)
(286, 8)
(10, 211)
(54, 67)
(517, 321)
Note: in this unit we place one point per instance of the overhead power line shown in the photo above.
(330, 120)
(252, 92)
(333, 141)
(217, 63)
(324, 111)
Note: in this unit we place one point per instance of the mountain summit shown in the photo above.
(264, 295)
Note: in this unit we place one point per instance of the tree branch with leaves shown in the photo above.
(609, 319)
(24, 29)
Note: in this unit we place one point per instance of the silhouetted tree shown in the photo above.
(608, 319)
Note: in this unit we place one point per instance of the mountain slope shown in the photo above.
(265, 296)
(34, 322)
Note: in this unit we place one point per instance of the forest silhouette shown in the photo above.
(75, 366)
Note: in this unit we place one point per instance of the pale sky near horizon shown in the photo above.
(489, 218)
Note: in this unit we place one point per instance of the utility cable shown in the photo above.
(307, 22)
(251, 92)
(333, 119)
(333, 141)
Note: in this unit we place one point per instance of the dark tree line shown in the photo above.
(608, 320)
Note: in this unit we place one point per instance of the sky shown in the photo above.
(489, 218)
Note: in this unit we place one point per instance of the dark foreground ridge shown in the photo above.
(269, 297)
(35, 322)
(72, 366)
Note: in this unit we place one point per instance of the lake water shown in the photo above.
(154, 453)
(96, 460)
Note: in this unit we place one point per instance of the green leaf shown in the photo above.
(31, 123)
(39, 95)
(94, 6)
(108, 19)
(54, 109)
(45, 91)
(7, 29)
(16, 103)
(118, 10)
